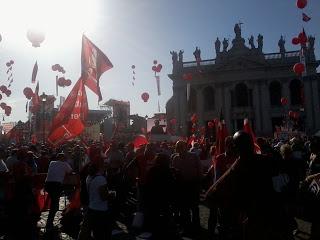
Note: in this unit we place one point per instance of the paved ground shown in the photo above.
(123, 234)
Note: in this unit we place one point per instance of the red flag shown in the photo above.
(34, 73)
(69, 121)
(93, 64)
(140, 140)
(305, 17)
(221, 134)
(247, 128)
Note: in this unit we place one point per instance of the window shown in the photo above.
(296, 92)
(241, 95)
(208, 99)
(275, 93)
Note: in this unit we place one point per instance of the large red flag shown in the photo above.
(69, 121)
(247, 128)
(221, 134)
(93, 64)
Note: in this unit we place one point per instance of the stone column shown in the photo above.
(316, 103)
(264, 98)
(181, 104)
(256, 108)
(286, 90)
(308, 104)
(227, 107)
(200, 103)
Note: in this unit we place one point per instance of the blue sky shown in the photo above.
(135, 32)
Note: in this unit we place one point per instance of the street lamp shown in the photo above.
(43, 98)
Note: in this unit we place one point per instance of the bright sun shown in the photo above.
(58, 19)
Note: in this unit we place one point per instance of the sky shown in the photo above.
(133, 32)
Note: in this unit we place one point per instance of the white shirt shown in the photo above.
(93, 185)
(57, 171)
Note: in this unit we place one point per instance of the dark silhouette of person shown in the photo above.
(248, 187)
(157, 128)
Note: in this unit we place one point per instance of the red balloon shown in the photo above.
(3, 88)
(298, 68)
(35, 37)
(155, 62)
(8, 108)
(210, 124)
(303, 39)
(3, 105)
(8, 64)
(284, 101)
(145, 96)
(68, 82)
(8, 92)
(54, 67)
(295, 41)
(61, 82)
(158, 68)
(28, 92)
(133, 66)
(11, 62)
(154, 68)
(173, 121)
(301, 3)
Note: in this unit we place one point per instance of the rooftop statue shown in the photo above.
(311, 42)
(251, 42)
(237, 30)
(217, 46)
(181, 55)
(281, 43)
(225, 44)
(260, 42)
(174, 55)
(197, 54)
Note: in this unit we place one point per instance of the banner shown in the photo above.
(69, 122)
(93, 64)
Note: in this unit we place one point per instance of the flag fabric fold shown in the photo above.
(305, 17)
(221, 134)
(93, 64)
(70, 120)
(247, 128)
(34, 73)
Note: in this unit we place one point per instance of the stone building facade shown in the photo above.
(244, 82)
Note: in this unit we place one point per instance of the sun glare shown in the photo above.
(58, 19)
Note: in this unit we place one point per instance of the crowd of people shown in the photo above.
(250, 196)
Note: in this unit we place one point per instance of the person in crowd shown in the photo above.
(43, 162)
(31, 162)
(196, 149)
(314, 164)
(158, 197)
(3, 166)
(247, 187)
(188, 173)
(12, 159)
(157, 128)
(98, 214)
(229, 227)
(56, 173)
(77, 158)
